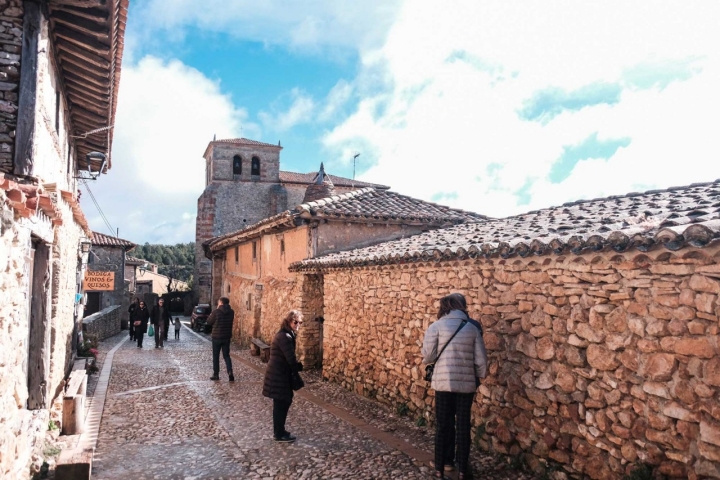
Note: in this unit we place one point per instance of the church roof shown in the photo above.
(367, 205)
(672, 218)
(308, 178)
(103, 240)
(240, 141)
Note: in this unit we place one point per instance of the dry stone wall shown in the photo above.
(596, 362)
(104, 323)
(11, 25)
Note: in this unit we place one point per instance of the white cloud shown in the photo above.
(300, 111)
(306, 24)
(167, 114)
(441, 99)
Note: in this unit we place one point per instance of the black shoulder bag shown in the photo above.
(430, 368)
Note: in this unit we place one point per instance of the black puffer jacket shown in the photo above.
(141, 314)
(221, 321)
(281, 365)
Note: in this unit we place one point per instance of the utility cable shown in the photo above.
(102, 215)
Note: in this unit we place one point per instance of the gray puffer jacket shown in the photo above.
(463, 360)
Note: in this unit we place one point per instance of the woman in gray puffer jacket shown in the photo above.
(455, 379)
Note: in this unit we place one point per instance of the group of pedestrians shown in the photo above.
(453, 345)
(159, 318)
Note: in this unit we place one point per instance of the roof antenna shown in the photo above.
(355, 158)
(214, 136)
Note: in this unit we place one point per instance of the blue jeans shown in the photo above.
(223, 345)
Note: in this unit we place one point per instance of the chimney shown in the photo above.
(322, 187)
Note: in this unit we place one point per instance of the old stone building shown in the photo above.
(244, 185)
(59, 76)
(250, 266)
(600, 319)
(109, 255)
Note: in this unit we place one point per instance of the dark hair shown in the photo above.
(290, 318)
(225, 300)
(454, 301)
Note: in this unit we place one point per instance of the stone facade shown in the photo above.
(104, 323)
(231, 202)
(41, 227)
(597, 362)
(11, 24)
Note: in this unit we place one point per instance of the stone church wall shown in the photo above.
(11, 27)
(597, 362)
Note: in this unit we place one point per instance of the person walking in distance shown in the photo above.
(221, 321)
(131, 309)
(177, 328)
(281, 366)
(139, 319)
(160, 317)
(457, 349)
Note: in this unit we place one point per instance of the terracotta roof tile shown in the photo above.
(308, 178)
(108, 241)
(384, 205)
(365, 205)
(239, 141)
(672, 218)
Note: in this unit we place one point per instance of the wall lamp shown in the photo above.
(85, 246)
(94, 157)
(143, 269)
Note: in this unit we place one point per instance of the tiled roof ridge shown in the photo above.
(333, 199)
(672, 218)
(618, 197)
(336, 179)
(238, 141)
(108, 240)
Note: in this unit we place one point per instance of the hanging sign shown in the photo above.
(99, 281)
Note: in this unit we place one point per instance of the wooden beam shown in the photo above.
(67, 57)
(94, 14)
(85, 100)
(23, 160)
(82, 83)
(75, 3)
(85, 42)
(90, 115)
(82, 25)
(91, 77)
(78, 90)
(85, 54)
(39, 358)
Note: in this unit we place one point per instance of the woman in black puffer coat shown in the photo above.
(281, 366)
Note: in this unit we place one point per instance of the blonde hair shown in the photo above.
(290, 318)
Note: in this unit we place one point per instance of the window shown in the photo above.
(237, 165)
(254, 251)
(237, 256)
(255, 166)
(282, 246)
(249, 301)
(228, 288)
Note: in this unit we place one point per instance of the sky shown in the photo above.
(490, 106)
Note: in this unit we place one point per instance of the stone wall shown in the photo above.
(110, 259)
(597, 362)
(11, 25)
(18, 425)
(104, 323)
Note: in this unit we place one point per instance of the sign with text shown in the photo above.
(99, 281)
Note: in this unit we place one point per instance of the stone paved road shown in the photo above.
(164, 418)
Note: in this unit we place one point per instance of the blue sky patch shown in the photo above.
(661, 74)
(591, 147)
(548, 103)
(523, 194)
(439, 197)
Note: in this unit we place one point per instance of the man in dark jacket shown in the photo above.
(160, 319)
(221, 321)
(140, 317)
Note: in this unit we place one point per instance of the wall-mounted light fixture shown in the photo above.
(85, 246)
(143, 269)
(94, 157)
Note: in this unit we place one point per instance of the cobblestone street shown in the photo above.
(164, 418)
